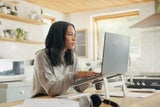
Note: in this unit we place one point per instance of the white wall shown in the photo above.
(81, 20)
(36, 32)
(26, 51)
(150, 52)
(150, 42)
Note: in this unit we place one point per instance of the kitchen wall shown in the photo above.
(149, 59)
(35, 32)
(15, 50)
(26, 51)
(150, 51)
(85, 22)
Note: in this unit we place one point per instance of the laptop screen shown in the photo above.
(115, 54)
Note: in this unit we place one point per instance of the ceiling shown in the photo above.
(72, 6)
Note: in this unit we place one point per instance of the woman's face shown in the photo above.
(70, 40)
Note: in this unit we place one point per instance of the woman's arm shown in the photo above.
(82, 74)
(47, 79)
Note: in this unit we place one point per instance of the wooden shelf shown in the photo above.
(20, 19)
(20, 41)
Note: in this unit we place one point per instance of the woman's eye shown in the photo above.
(70, 34)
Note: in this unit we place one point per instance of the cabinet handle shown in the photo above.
(21, 91)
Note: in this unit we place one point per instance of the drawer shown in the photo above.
(18, 93)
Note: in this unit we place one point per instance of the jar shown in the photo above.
(4, 9)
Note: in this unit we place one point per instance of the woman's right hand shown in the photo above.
(84, 74)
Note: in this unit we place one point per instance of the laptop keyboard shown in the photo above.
(92, 77)
(86, 80)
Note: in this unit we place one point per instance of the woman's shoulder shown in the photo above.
(41, 52)
(41, 56)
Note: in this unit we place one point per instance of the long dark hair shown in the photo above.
(55, 44)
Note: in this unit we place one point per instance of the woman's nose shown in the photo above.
(74, 38)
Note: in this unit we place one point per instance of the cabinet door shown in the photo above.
(81, 48)
(18, 93)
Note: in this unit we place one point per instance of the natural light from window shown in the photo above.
(121, 26)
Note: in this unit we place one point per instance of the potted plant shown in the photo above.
(20, 34)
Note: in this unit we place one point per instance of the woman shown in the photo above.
(55, 67)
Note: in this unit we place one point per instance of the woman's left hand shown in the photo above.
(84, 74)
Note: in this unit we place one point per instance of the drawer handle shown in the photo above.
(21, 91)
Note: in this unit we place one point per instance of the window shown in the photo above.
(117, 23)
(81, 48)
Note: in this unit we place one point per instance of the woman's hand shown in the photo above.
(83, 74)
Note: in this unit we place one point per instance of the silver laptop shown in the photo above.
(115, 57)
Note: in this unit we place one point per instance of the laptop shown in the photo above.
(115, 58)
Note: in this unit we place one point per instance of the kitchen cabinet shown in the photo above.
(12, 91)
(20, 19)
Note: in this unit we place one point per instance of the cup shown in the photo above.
(98, 86)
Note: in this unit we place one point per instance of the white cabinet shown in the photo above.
(12, 91)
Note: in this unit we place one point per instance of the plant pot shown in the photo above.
(20, 34)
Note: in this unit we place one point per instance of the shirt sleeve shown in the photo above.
(44, 73)
(82, 87)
